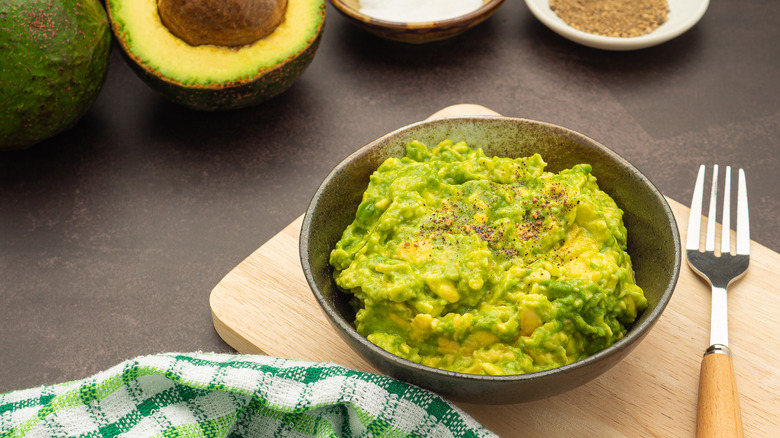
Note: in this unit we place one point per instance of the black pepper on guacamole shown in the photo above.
(487, 265)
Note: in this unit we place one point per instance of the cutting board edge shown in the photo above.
(232, 337)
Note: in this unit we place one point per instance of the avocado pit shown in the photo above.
(228, 23)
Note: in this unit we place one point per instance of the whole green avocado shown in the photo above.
(53, 62)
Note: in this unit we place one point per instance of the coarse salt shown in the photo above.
(417, 11)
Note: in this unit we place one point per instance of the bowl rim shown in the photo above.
(487, 8)
(637, 331)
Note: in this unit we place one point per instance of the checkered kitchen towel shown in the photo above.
(219, 395)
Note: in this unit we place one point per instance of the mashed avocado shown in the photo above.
(487, 265)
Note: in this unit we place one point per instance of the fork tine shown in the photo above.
(694, 220)
(743, 220)
(709, 244)
(725, 236)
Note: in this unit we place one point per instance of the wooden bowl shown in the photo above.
(653, 243)
(416, 32)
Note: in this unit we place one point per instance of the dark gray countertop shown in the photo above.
(113, 234)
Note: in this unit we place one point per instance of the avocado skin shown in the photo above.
(238, 94)
(54, 62)
(234, 95)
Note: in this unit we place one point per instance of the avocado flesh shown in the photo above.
(211, 77)
(54, 62)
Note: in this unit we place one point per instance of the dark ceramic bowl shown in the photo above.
(416, 32)
(653, 243)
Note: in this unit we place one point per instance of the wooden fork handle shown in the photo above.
(718, 413)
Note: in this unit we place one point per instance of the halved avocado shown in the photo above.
(216, 76)
(53, 61)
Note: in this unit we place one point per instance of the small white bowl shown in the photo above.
(683, 15)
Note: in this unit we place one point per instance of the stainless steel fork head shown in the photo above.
(723, 268)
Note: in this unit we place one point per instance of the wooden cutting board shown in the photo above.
(265, 306)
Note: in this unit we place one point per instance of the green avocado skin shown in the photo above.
(54, 61)
(239, 94)
(266, 84)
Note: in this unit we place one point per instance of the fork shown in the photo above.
(718, 412)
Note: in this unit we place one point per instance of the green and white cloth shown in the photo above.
(220, 395)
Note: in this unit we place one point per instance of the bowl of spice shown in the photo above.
(619, 24)
(415, 21)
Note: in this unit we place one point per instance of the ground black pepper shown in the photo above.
(613, 18)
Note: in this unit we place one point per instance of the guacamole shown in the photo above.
(484, 265)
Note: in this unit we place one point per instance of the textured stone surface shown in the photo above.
(113, 234)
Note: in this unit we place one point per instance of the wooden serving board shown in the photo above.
(265, 306)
